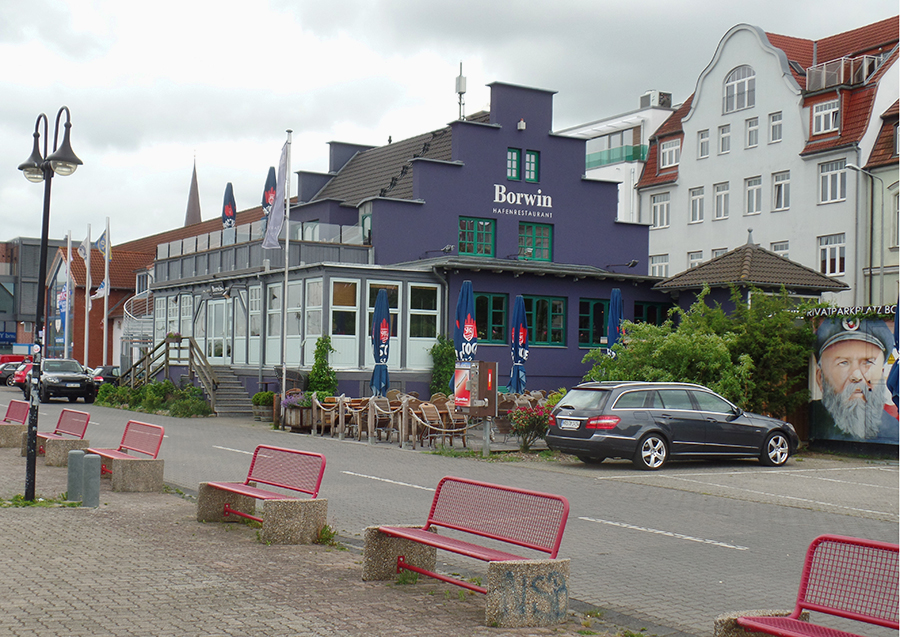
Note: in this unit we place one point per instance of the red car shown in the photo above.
(20, 377)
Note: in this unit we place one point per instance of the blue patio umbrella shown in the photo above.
(893, 381)
(614, 320)
(518, 346)
(381, 342)
(465, 336)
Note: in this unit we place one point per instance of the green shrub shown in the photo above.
(443, 357)
(187, 407)
(322, 377)
(263, 398)
(529, 424)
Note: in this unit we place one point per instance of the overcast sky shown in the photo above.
(153, 85)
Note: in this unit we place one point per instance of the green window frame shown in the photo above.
(650, 312)
(592, 316)
(535, 241)
(532, 166)
(490, 317)
(476, 237)
(513, 164)
(546, 317)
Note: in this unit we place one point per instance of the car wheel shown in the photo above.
(592, 459)
(10, 382)
(776, 451)
(88, 399)
(44, 395)
(73, 399)
(652, 453)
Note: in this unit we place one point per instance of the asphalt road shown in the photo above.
(667, 551)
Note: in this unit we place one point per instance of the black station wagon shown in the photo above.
(649, 423)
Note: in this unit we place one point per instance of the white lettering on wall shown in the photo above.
(502, 195)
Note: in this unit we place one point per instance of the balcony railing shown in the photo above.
(616, 155)
(848, 71)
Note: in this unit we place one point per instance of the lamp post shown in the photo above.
(37, 168)
(871, 241)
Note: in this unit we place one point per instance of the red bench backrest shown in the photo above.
(17, 411)
(72, 423)
(851, 577)
(142, 437)
(287, 468)
(526, 518)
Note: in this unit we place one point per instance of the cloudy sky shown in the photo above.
(151, 86)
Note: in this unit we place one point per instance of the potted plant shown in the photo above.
(173, 337)
(529, 424)
(295, 404)
(262, 404)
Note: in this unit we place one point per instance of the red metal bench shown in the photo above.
(842, 576)
(289, 469)
(17, 412)
(71, 423)
(523, 518)
(139, 437)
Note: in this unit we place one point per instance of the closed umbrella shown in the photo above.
(465, 336)
(381, 342)
(518, 346)
(614, 321)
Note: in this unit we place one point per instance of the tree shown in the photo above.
(443, 358)
(322, 377)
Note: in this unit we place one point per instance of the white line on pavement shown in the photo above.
(402, 484)
(740, 472)
(249, 453)
(678, 536)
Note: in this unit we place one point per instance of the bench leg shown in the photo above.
(527, 593)
(726, 625)
(137, 474)
(293, 521)
(211, 504)
(381, 551)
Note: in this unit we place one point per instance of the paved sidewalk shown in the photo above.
(141, 564)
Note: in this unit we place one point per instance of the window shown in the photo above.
(752, 137)
(753, 188)
(476, 237)
(740, 89)
(313, 307)
(703, 144)
(273, 309)
(294, 308)
(696, 205)
(423, 311)
(159, 318)
(669, 153)
(187, 315)
(648, 312)
(895, 231)
(513, 163)
(717, 252)
(343, 308)
(695, 258)
(393, 294)
(141, 283)
(534, 241)
(832, 181)
(724, 139)
(254, 307)
(721, 191)
(546, 317)
(532, 165)
(831, 254)
(490, 317)
(774, 127)
(780, 248)
(173, 315)
(660, 210)
(659, 265)
(781, 190)
(896, 142)
(592, 314)
(826, 117)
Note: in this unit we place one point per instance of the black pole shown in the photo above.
(31, 445)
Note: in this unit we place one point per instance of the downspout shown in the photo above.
(446, 286)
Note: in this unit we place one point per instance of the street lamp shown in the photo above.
(872, 238)
(37, 168)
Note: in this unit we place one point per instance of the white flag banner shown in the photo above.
(84, 248)
(101, 291)
(276, 217)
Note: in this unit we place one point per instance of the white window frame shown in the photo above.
(717, 252)
(753, 195)
(659, 265)
(173, 313)
(781, 190)
(751, 139)
(703, 144)
(781, 248)
(669, 153)
(776, 130)
(895, 221)
(724, 139)
(697, 197)
(832, 254)
(418, 353)
(187, 315)
(159, 318)
(659, 210)
(833, 181)
(694, 258)
(740, 90)
(254, 308)
(826, 117)
(722, 195)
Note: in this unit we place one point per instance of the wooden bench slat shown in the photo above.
(449, 544)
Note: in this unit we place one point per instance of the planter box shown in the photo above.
(298, 417)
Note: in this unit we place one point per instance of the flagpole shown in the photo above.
(69, 294)
(87, 298)
(287, 258)
(106, 250)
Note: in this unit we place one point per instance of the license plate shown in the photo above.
(569, 424)
(73, 384)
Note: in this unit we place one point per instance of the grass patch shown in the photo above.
(328, 537)
(405, 577)
(545, 455)
(19, 500)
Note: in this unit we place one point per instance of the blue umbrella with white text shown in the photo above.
(381, 341)
(465, 336)
(614, 321)
(518, 345)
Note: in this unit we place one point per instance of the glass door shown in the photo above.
(218, 332)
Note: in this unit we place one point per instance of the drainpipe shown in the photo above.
(446, 298)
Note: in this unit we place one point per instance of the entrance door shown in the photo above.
(218, 332)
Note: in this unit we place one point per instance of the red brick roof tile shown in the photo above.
(884, 152)
(856, 110)
(669, 129)
(867, 40)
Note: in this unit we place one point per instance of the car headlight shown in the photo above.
(51, 379)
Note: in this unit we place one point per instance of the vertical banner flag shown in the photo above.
(228, 207)
(101, 291)
(102, 245)
(268, 197)
(276, 216)
(84, 251)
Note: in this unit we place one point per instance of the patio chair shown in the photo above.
(383, 418)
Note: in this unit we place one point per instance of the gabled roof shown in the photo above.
(386, 171)
(856, 111)
(122, 267)
(866, 40)
(752, 265)
(884, 152)
(669, 129)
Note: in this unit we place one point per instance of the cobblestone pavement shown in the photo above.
(140, 564)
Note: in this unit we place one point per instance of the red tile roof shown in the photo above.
(797, 50)
(884, 153)
(122, 267)
(669, 129)
(868, 40)
(856, 111)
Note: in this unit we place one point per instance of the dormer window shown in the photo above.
(669, 153)
(740, 89)
(826, 117)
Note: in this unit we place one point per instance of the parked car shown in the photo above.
(21, 377)
(65, 377)
(6, 373)
(106, 374)
(650, 423)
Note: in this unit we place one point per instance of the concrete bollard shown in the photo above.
(76, 475)
(91, 492)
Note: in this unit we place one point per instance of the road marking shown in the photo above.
(678, 536)
(249, 453)
(402, 484)
(859, 484)
(740, 472)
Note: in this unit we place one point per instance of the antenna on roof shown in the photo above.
(461, 91)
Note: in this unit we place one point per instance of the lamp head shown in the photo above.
(31, 167)
(64, 161)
